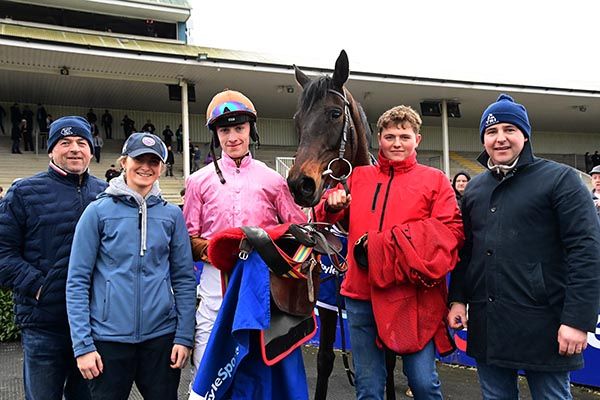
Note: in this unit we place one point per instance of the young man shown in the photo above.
(232, 192)
(37, 222)
(404, 235)
(530, 268)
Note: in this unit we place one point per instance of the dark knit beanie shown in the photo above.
(505, 110)
(70, 126)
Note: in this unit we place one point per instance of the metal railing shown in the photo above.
(283, 165)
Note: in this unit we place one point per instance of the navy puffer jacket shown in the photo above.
(37, 221)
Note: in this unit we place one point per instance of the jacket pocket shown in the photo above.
(106, 307)
(169, 294)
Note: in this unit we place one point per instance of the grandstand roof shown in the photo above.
(118, 71)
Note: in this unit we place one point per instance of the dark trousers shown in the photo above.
(15, 146)
(169, 170)
(108, 131)
(325, 356)
(49, 368)
(97, 153)
(147, 364)
(28, 141)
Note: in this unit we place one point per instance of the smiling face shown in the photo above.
(398, 142)
(235, 140)
(72, 154)
(503, 143)
(141, 172)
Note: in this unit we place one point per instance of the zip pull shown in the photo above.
(140, 218)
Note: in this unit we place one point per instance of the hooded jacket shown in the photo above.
(530, 263)
(414, 232)
(38, 216)
(131, 273)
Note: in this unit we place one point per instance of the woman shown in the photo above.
(459, 184)
(131, 287)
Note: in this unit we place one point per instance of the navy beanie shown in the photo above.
(505, 110)
(70, 126)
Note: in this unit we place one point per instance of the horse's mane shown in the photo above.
(314, 91)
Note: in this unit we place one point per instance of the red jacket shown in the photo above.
(414, 233)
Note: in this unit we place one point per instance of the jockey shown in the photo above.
(235, 190)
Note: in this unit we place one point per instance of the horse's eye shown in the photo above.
(335, 114)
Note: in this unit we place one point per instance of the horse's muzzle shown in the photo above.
(304, 190)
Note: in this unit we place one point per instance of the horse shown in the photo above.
(333, 133)
(334, 137)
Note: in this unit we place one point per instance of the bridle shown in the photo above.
(340, 158)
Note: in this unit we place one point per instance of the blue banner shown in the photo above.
(586, 376)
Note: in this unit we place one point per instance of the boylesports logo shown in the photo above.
(223, 374)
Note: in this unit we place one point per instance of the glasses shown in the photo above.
(227, 107)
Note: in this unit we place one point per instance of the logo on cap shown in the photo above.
(66, 131)
(491, 120)
(148, 141)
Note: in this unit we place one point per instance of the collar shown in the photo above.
(384, 164)
(229, 162)
(525, 158)
(60, 174)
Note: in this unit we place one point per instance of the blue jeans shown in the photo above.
(499, 383)
(369, 360)
(49, 367)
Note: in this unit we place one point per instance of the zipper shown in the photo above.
(385, 199)
(377, 189)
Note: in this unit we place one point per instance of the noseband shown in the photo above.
(340, 158)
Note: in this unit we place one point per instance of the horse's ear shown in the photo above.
(301, 77)
(342, 70)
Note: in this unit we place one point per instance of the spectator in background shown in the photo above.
(595, 159)
(98, 143)
(170, 161)
(197, 157)
(15, 115)
(2, 115)
(91, 117)
(459, 184)
(168, 135)
(37, 221)
(182, 194)
(40, 117)
(179, 137)
(16, 135)
(111, 173)
(148, 127)
(588, 162)
(107, 121)
(1, 192)
(595, 173)
(128, 126)
(28, 134)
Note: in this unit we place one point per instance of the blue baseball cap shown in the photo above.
(144, 143)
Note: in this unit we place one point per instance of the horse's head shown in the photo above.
(330, 125)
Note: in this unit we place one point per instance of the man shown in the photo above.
(2, 115)
(530, 267)
(37, 222)
(235, 191)
(404, 233)
(168, 135)
(148, 127)
(595, 174)
(107, 121)
(28, 134)
(91, 117)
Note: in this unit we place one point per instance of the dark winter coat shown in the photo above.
(530, 263)
(37, 222)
